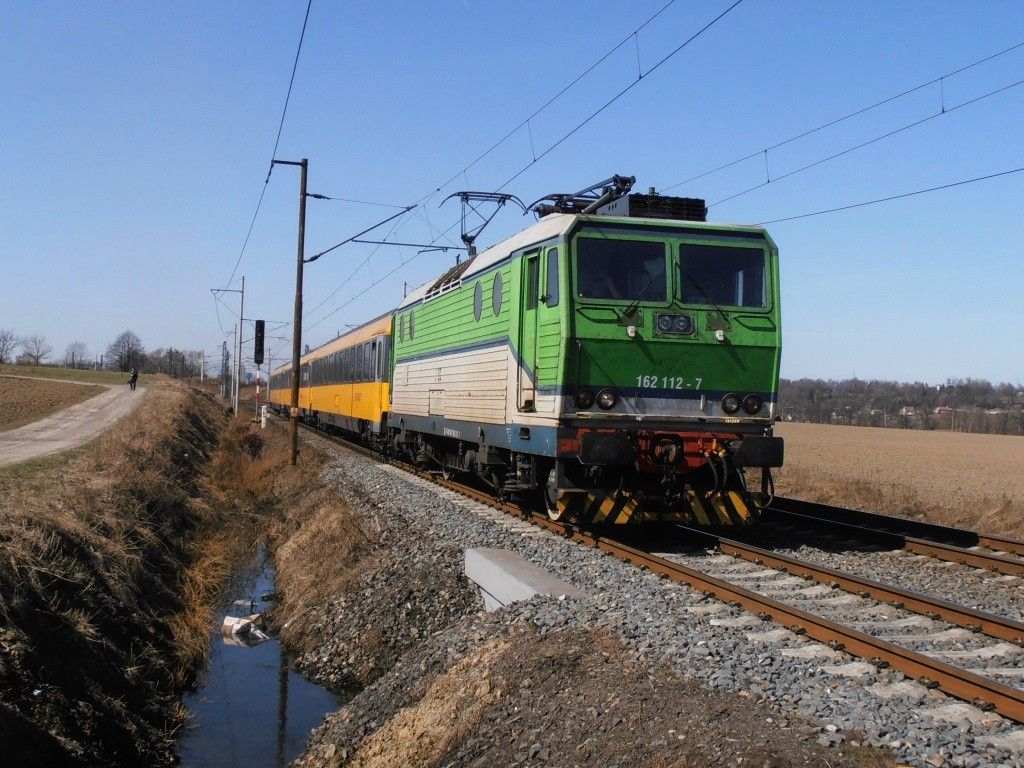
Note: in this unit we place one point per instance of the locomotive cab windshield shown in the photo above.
(722, 275)
(621, 270)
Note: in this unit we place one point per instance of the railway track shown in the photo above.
(759, 581)
(956, 545)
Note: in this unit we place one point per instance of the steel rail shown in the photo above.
(988, 623)
(944, 534)
(957, 682)
(1009, 566)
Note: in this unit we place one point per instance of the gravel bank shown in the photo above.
(524, 687)
(849, 702)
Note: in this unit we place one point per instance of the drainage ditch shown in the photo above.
(251, 708)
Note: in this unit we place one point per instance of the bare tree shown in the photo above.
(36, 348)
(125, 352)
(76, 355)
(8, 343)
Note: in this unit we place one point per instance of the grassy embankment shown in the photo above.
(113, 559)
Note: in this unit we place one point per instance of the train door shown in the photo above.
(547, 355)
(528, 331)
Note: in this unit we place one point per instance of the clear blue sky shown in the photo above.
(134, 139)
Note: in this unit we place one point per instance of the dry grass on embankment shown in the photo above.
(25, 400)
(967, 480)
(320, 547)
(113, 557)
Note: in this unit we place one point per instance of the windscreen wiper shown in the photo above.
(628, 311)
(687, 276)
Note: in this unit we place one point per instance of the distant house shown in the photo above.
(942, 409)
(908, 410)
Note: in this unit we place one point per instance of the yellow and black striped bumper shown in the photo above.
(600, 508)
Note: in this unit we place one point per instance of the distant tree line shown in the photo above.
(34, 348)
(123, 354)
(963, 405)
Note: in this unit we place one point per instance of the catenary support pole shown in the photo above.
(293, 415)
(231, 391)
(238, 355)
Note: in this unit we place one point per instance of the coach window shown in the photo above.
(478, 300)
(412, 321)
(496, 290)
(551, 285)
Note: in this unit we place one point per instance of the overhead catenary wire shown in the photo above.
(900, 196)
(526, 121)
(356, 202)
(354, 272)
(277, 142)
(535, 160)
(640, 76)
(848, 116)
(945, 111)
(561, 140)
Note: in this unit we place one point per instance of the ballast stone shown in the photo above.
(505, 577)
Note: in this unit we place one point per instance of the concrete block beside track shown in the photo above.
(504, 577)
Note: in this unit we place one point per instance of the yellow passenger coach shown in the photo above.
(343, 383)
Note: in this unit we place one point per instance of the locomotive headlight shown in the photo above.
(584, 398)
(606, 399)
(752, 404)
(683, 324)
(731, 403)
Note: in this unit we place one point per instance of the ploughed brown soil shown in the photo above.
(23, 401)
(967, 480)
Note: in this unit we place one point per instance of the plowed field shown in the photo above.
(25, 400)
(974, 481)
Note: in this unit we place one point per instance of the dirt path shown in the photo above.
(68, 428)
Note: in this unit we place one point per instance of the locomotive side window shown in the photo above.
(621, 270)
(716, 274)
(496, 289)
(532, 280)
(551, 286)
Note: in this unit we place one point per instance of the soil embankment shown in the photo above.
(373, 595)
(113, 557)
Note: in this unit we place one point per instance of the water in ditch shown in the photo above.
(252, 709)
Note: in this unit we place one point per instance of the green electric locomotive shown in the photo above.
(619, 359)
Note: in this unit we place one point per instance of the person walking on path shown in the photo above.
(134, 377)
